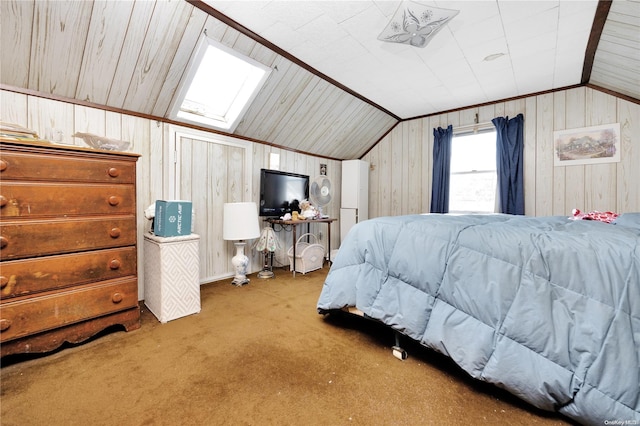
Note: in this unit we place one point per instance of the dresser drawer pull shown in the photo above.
(115, 232)
(114, 201)
(3, 201)
(3, 165)
(113, 172)
(3, 281)
(4, 324)
(114, 264)
(3, 242)
(116, 298)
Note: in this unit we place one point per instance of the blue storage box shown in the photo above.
(172, 218)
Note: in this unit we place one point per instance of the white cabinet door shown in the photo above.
(348, 218)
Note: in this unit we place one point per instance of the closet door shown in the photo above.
(211, 171)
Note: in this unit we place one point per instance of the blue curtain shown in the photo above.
(509, 163)
(441, 167)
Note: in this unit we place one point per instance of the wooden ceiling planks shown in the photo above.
(299, 110)
(341, 140)
(57, 46)
(354, 144)
(15, 33)
(259, 112)
(616, 63)
(280, 103)
(133, 56)
(105, 39)
(303, 117)
(179, 65)
(160, 46)
(323, 135)
(136, 31)
(241, 43)
(325, 113)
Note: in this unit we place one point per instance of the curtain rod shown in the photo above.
(473, 128)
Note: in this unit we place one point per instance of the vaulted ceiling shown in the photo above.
(335, 89)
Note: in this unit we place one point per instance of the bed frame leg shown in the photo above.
(397, 351)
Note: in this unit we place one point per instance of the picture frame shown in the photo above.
(587, 145)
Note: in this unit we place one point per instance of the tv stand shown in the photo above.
(294, 224)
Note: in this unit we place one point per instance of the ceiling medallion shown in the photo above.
(415, 24)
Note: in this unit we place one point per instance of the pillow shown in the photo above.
(631, 220)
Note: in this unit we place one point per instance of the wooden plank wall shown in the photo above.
(150, 139)
(400, 177)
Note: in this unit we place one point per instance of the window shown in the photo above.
(219, 87)
(473, 183)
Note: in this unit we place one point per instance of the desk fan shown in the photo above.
(320, 193)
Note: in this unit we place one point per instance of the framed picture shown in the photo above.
(588, 145)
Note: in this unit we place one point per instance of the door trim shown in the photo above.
(173, 160)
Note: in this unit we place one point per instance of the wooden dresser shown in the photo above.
(68, 258)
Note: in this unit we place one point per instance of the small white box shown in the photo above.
(172, 276)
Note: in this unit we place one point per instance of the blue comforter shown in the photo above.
(545, 307)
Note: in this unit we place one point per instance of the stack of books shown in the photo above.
(16, 132)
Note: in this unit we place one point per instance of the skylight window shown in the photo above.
(220, 85)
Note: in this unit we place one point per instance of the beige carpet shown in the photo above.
(255, 355)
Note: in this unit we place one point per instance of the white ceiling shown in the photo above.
(543, 43)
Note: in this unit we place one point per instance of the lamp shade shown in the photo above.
(240, 221)
(267, 240)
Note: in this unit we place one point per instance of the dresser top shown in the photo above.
(37, 144)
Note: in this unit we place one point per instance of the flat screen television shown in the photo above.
(281, 192)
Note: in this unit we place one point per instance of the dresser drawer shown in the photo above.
(57, 167)
(36, 275)
(21, 239)
(28, 316)
(31, 200)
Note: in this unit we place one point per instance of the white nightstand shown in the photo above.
(172, 276)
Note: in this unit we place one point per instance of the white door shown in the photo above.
(211, 170)
(348, 218)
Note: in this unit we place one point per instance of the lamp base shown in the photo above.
(267, 269)
(240, 262)
(240, 282)
(266, 274)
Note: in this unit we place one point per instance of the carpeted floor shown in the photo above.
(255, 355)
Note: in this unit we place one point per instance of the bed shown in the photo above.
(547, 308)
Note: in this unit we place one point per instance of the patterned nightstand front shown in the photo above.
(172, 276)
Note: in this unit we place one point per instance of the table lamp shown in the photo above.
(240, 223)
(267, 244)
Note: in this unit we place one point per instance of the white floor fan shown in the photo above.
(320, 193)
